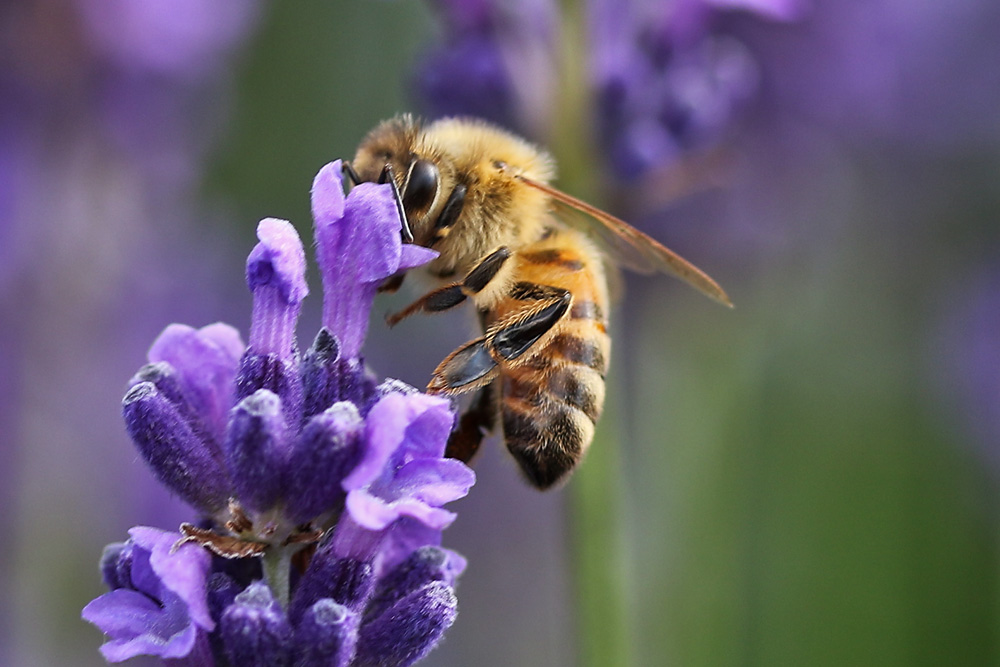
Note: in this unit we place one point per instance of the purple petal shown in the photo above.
(123, 613)
(415, 255)
(375, 513)
(183, 571)
(358, 245)
(278, 261)
(328, 194)
(206, 361)
(434, 481)
(427, 435)
(387, 427)
(372, 220)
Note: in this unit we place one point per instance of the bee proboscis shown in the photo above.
(513, 245)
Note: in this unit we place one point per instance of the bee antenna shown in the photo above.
(388, 176)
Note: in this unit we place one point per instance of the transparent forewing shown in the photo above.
(625, 244)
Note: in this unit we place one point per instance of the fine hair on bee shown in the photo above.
(532, 260)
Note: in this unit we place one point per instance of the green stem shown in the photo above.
(595, 490)
(277, 568)
(599, 572)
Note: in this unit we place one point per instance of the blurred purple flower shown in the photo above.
(495, 61)
(181, 39)
(663, 79)
(967, 359)
(99, 151)
(308, 435)
(666, 81)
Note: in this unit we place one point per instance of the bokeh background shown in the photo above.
(809, 479)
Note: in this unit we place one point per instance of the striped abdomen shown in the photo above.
(550, 402)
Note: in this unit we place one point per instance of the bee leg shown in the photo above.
(478, 362)
(389, 176)
(450, 296)
(449, 214)
(348, 170)
(475, 423)
(469, 367)
(515, 336)
(392, 283)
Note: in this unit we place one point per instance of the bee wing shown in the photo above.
(626, 244)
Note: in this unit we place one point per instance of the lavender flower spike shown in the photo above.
(319, 493)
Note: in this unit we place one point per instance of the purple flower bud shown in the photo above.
(280, 376)
(276, 275)
(326, 636)
(423, 566)
(116, 565)
(327, 377)
(257, 450)
(169, 384)
(346, 581)
(205, 360)
(255, 630)
(178, 457)
(495, 61)
(328, 448)
(409, 629)
(488, 90)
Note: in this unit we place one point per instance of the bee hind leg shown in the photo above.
(451, 295)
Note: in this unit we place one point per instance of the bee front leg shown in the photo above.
(450, 296)
(392, 284)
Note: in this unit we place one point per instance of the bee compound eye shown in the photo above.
(421, 185)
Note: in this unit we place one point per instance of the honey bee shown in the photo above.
(515, 246)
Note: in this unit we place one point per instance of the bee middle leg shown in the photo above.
(451, 295)
(505, 345)
(474, 424)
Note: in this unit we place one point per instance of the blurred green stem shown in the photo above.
(595, 490)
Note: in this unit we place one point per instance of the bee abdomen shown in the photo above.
(548, 416)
